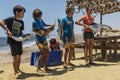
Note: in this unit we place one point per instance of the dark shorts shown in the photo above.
(16, 48)
(88, 35)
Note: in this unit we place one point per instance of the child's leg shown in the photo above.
(72, 53)
(86, 50)
(16, 51)
(40, 46)
(68, 56)
(46, 59)
(91, 51)
(40, 61)
(15, 64)
(65, 56)
(19, 61)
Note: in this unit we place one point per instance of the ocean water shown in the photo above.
(4, 47)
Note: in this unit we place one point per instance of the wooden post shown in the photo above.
(100, 18)
(103, 52)
(101, 23)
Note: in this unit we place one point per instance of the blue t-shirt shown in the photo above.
(68, 24)
(39, 24)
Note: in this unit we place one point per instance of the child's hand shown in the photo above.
(9, 34)
(53, 25)
(47, 33)
(85, 26)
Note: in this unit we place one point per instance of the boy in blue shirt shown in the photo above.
(41, 40)
(67, 24)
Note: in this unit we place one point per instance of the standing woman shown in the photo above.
(85, 21)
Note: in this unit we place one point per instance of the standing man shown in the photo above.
(87, 20)
(15, 26)
(67, 24)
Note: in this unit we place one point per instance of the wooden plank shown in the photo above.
(114, 47)
(107, 38)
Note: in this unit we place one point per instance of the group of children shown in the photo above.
(67, 23)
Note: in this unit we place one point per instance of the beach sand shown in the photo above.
(101, 71)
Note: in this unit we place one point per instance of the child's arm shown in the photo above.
(79, 22)
(2, 24)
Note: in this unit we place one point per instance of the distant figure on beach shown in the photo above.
(54, 44)
(87, 20)
(15, 26)
(41, 40)
(67, 24)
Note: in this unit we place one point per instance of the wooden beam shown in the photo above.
(101, 47)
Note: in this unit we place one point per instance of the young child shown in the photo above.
(85, 21)
(41, 40)
(15, 26)
(54, 45)
(67, 24)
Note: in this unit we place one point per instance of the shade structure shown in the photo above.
(98, 6)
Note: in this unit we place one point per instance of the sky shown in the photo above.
(52, 9)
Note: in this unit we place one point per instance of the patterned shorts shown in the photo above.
(43, 47)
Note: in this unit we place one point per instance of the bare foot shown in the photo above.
(16, 74)
(65, 66)
(39, 71)
(47, 69)
(70, 64)
(20, 71)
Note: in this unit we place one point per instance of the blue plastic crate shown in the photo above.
(55, 58)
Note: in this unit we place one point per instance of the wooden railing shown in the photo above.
(103, 43)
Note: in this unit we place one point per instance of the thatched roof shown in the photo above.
(98, 6)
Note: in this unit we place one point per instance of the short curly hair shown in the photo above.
(68, 9)
(52, 40)
(36, 13)
(18, 8)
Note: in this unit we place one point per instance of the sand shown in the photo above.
(103, 70)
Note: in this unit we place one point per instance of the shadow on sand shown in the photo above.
(54, 72)
(1, 71)
(24, 75)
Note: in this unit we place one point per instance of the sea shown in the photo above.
(4, 46)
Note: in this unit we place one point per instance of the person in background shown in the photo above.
(54, 44)
(15, 26)
(87, 20)
(67, 24)
(41, 40)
